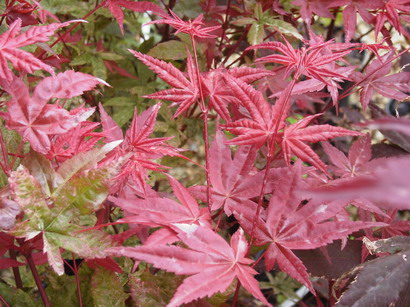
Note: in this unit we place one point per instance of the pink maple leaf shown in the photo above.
(289, 225)
(36, 120)
(185, 92)
(318, 7)
(375, 80)
(356, 163)
(264, 125)
(211, 261)
(11, 41)
(232, 181)
(115, 7)
(350, 14)
(195, 27)
(138, 149)
(78, 139)
(390, 13)
(158, 211)
(312, 62)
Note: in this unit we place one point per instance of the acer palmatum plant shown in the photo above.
(264, 168)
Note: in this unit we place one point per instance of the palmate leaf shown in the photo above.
(209, 258)
(289, 226)
(185, 92)
(12, 40)
(375, 80)
(115, 7)
(54, 201)
(157, 211)
(380, 282)
(232, 183)
(36, 120)
(266, 123)
(296, 134)
(106, 289)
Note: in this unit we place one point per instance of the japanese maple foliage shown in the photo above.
(271, 147)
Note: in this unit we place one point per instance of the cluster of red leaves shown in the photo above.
(306, 206)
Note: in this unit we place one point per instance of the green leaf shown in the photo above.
(82, 59)
(98, 67)
(120, 102)
(153, 290)
(244, 21)
(41, 169)
(106, 289)
(123, 116)
(256, 34)
(170, 50)
(17, 297)
(109, 56)
(283, 27)
(85, 191)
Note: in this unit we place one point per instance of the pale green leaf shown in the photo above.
(106, 289)
(284, 28)
(98, 67)
(83, 161)
(41, 169)
(53, 255)
(109, 56)
(170, 50)
(85, 191)
(244, 21)
(256, 34)
(120, 101)
(27, 192)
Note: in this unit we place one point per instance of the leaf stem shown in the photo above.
(63, 36)
(16, 271)
(235, 296)
(347, 92)
(228, 6)
(271, 146)
(4, 301)
(5, 165)
(204, 110)
(37, 279)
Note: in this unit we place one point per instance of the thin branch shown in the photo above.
(16, 271)
(37, 279)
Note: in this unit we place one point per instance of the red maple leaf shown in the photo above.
(390, 13)
(375, 80)
(316, 61)
(185, 92)
(318, 7)
(289, 225)
(11, 41)
(115, 7)
(211, 261)
(137, 148)
(35, 119)
(220, 94)
(78, 139)
(195, 27)
(356, 163)
(296, 134)
(232, 181)
(158, 211)
(263, 126)
(350, 14)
